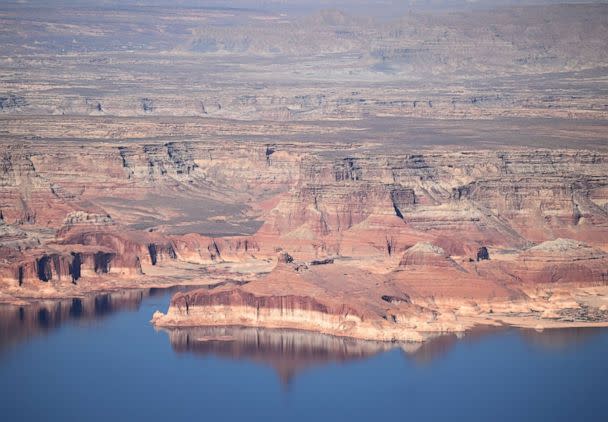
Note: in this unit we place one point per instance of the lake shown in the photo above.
(100, 359)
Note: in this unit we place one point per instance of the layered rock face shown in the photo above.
(562, 261)
(543, 62)
(403, 189)
(458, 251)
(42, 185)
(431, 231)
(427, 292)
(295, 296)
(236, 307)
(61, 264)
(461, 201)
(491, 197)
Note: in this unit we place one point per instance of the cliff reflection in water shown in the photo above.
(561, 339)
(287, 351)
(18, 323)
(291, 352)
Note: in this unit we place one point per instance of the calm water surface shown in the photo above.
(100, 359)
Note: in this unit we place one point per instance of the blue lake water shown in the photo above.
(102, 360)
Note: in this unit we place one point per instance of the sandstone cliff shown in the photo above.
(432, 232)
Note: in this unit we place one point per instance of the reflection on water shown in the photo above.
(223, 373)
(561, 339)
(17, 323)
(289, 352)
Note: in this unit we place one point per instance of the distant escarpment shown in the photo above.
(536, 61)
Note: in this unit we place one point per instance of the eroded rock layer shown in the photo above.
(375, 241)
(376, 174)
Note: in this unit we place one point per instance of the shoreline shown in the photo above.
(424, 335)
(162, 322)
(366, 331)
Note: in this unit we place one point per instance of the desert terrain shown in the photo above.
(379, 176)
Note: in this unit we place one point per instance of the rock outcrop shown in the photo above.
(403, 190)
(435, 232)
(333, 299)
(425, 255)
(562, 261)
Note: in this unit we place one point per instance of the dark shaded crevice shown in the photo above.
(390, 246)
(483, 254)
(397, 211)
(325, 261)
(395, 299)
(269, 152)
(102, 262)
(463, 192)
(43, 268)
(348, 170)
(400, 197)
(138, 265)
(576, 215)
(20, 275)
(147, 105)
(214, 250)
(122, 151)
(171, 252)
(75, 266)
(153, 253)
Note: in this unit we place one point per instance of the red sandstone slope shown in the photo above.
(406, 240)
(561, 261)
(428, 291)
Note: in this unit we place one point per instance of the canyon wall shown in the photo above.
(204, 202)
(417, 171)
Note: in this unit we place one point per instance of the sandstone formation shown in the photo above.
(427, 292)
(431, 231)
(562, 261)
(362, 176)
